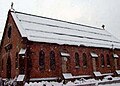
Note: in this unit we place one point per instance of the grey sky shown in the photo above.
(89, 12)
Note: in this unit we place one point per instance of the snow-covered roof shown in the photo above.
(97, 73)
(118, 72)
(93, 54)
(20, 77)
(82, 76)
(65, 54)
(43, 79)
(22, 51)
(43, 29)
(115, 55)
(67, 75)
(107, 74)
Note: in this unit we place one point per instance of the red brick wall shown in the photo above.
(16, 42)
(36, 47)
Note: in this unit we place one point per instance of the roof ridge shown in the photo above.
(58, 20)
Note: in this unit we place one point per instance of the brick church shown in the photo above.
(42, 48)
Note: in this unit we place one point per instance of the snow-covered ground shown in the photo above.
(68, 84)
(114, 84)
(79, 82)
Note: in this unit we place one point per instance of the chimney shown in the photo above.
(103, 26)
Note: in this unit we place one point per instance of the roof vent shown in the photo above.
(103, 26)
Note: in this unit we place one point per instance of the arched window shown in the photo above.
(108, 60)
(102, 60)
(9, 32)
(77, 65)
(42, 60)
(52, 60)
(84, 60)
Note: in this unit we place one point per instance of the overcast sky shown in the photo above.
(89, 12)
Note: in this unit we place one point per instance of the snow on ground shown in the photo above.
(60, 84)
(114, 84)
(78, 82)
(44, 83)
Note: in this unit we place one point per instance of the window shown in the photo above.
(84, 60)
(77, 65)
(52, 60)
(21, 65)
(9, 32)
(97, 62)
(102, 61)
(16, 60)
(42, 60)
(108, 60)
